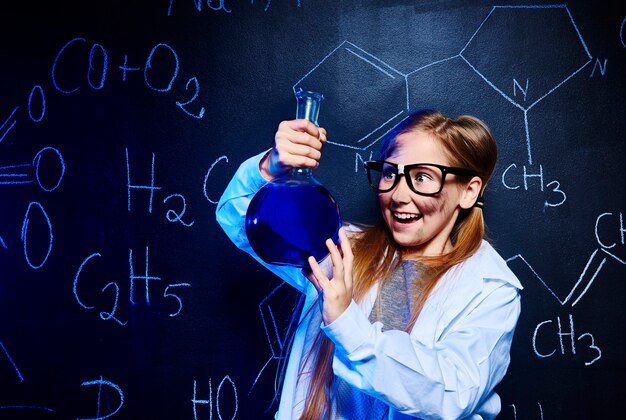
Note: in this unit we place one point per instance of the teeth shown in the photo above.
(406, 216)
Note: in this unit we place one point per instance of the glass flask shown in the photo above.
(290, 218)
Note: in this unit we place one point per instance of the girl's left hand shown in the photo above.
(335, 293)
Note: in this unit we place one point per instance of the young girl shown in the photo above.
(417, 313)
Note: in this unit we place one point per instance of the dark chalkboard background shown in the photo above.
(141, 307)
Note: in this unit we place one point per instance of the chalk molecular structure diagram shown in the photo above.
(47, 170)
(595, 262)
(395, 87)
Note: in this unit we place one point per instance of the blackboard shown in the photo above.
(121, 123)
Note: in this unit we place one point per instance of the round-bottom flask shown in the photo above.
(290, 218)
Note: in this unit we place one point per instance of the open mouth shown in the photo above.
(406, 218)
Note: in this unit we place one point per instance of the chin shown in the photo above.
(406, 240)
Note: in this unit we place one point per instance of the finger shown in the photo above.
(308, 273)
(312, 129)
(344, 243)
(300, 161)
(320, 281)
(294, 141)
(335, 256)
(303, 125)
(323, 134)
(298, 124)
(306, 139)
(348, 257)
(302, 150)
(289, 155)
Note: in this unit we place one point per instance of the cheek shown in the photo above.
(430, 207)
(434, 205)
(383, 200)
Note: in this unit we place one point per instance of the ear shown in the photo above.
(470, 192)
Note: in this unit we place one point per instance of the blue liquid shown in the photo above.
(288, 221)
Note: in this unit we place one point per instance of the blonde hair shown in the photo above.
(467, 143)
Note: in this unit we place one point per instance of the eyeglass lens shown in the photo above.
(425, 179)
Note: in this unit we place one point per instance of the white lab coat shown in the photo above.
(445, 368)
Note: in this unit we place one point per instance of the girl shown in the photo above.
(417, 312)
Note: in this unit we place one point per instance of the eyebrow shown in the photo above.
(418, 163)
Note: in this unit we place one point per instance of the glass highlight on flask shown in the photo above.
(290, 218)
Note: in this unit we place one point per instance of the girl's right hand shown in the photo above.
(297, 143)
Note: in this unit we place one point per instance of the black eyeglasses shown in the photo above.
(422, 178)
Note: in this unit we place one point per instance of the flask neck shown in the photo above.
(308, 105)
(301, 173)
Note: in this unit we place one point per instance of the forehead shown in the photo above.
(418, 147)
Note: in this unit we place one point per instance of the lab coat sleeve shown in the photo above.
(231, 215)
(448, 380)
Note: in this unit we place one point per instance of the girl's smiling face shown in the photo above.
(422, 225)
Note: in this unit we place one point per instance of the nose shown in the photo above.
(401, 193)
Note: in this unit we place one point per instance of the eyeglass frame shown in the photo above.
(401, 169)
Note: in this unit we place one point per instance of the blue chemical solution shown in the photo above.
(290, 219)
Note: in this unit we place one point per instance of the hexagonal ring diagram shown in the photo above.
(548, 51)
